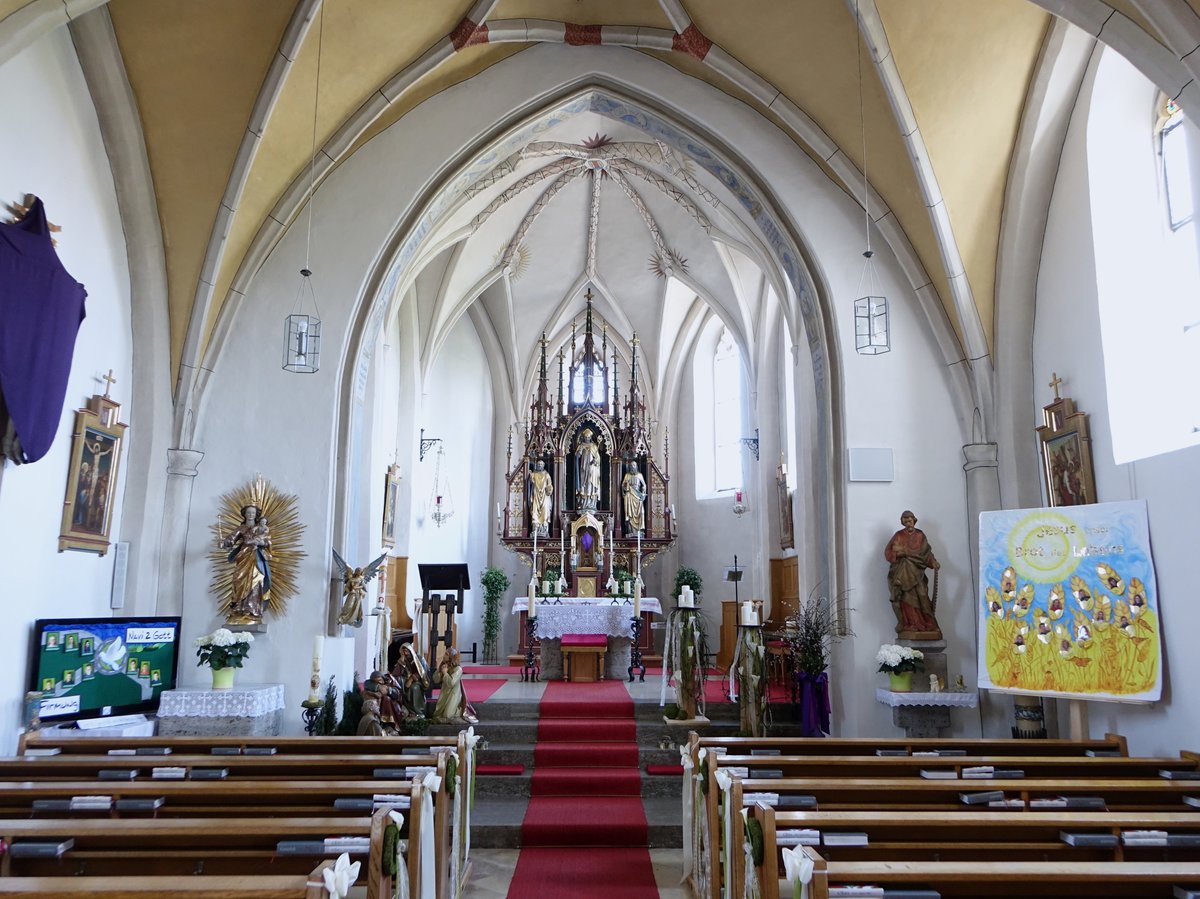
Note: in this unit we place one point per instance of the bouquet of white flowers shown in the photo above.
(895, 659)
(223, 648)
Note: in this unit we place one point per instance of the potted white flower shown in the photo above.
(223, 650)
(899, 663)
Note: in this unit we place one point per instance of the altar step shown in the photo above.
(650, 661)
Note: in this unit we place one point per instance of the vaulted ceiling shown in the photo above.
(225, 90)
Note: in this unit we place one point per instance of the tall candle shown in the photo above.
(532, 610)
(314, 682)
(637, 598)
(748, 617)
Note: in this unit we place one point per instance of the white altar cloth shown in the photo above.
(249, 701)
(947, 698)
(578, 618)
(649, 603)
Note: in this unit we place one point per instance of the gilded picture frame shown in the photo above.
(787, 529)
(97, 444)
(1066, 447)
(391, 499)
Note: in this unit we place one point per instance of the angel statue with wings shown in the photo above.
(354, 588)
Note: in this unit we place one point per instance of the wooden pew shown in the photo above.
(257, 886)
(294, 758)
(198, 849)
(815, 746)
(48, 739)
(291, 767)
(257, 805)
(896, 782)
(959, 880)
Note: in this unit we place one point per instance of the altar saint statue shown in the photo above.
(541, 499)
(587, 473)
(250, 554)
(910, 554)
(633, 491)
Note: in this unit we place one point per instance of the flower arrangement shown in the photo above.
(895, 659)
(223, 648)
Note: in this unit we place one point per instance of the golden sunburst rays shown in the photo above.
(285, 527)
(1110, 579)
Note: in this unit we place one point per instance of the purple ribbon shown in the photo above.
(814, 703)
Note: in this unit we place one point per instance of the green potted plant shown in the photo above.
(899, 663)
(691, 578)
(495, 582)
(621, 575)
(223, 650)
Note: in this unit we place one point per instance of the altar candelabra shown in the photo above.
(312, 711)
(635, 624)
(532, 669)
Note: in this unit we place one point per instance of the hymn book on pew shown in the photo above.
(41, 848)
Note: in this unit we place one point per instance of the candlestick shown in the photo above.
(314, 682)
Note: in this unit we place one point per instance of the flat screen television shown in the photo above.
(95, 667)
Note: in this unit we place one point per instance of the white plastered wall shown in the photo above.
(1067, 340)
(55, 150)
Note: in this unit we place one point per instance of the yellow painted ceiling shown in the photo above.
(363, 46)
(966, 69)
(196, 67)
(10, 6)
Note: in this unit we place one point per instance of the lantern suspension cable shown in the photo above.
(872, 328)
(302, 332)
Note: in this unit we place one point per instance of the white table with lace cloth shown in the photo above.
(591, 616)
(248, 710)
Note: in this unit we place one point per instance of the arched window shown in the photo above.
(1144, 173)
(578, 387)
(727, 414)
(719, 417)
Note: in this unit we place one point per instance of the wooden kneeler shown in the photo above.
(575, 647)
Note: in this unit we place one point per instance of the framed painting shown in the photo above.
(96, 447)
(1067, 455)
(391, 497)
(787, 530)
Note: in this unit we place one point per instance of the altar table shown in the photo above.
(586, 616)
(249, 710)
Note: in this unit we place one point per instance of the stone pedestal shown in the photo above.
(253, 710)
(924, 714)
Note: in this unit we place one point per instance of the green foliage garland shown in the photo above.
(495, 582)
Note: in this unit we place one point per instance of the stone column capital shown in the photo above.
(183, 462)
(980, 455)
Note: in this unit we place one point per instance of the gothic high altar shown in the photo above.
(586, 498)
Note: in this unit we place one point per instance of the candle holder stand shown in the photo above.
(635, 649)
(532, 669)
(312, 711)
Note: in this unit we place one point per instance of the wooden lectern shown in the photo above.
(442, 607)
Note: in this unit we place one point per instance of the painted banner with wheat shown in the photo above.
(1069, 603)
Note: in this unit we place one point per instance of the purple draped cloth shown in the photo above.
(41, 308)
(814, 703)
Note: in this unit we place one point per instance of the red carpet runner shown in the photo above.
(585, 833)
